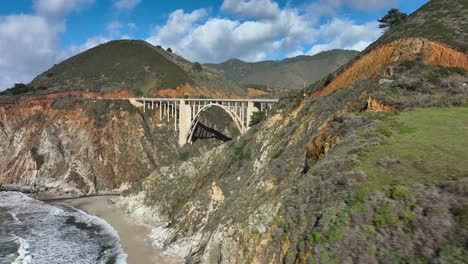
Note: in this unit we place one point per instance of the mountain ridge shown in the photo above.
(289, 73)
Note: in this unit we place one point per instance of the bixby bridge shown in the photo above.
(186, 113)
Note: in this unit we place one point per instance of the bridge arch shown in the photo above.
(196, 119)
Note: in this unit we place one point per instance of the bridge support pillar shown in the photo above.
(250, 110)
(185, 122)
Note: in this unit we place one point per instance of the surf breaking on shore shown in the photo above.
(35, 232)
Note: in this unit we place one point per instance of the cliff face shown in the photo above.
(377, 60)
(81, 146)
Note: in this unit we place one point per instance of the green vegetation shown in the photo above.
(132, 65)
(257, 117)
(290, 73)
(392, 18)
(385, 216)
(197, 67)
(424, 145)
(439, 20)
(399, 192)
(329, 79)
(21, 88)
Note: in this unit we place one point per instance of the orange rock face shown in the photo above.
(370, 64)
(252, 92)
(185, 90)
(378, 106)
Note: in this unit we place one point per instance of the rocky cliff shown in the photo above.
(79, 146)
(369, 170)
(67, 143)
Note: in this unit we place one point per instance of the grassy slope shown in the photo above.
(114, 66)
(131, 65)
(402, 161)
(288, 73)
(425, 145)
(445, 21)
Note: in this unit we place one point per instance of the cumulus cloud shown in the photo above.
(27, 46)
(90, 43)
(58, 8)
(258, 9)
(126, 4)
(177, 26)
(261, 30)
(218, 39)
(355, 37)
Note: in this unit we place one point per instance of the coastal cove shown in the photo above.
(88, 229)
(133, 236)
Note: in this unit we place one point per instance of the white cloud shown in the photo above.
(90, 43)
(132, 26)
(114, 25)
(355, 37)
(58, 8)
(219, 39)
(27, 46)
(177, 26)
(258, 9)
(126, 4)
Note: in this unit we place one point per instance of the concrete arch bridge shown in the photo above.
(186, 113)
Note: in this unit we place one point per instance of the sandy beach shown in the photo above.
(134, 237)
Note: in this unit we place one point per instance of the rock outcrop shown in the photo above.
(372, 63)
(79, 146)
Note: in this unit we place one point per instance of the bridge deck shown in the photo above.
(256, 100)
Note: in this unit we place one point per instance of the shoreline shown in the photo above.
(133, 237)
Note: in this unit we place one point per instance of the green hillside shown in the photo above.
(289, 73)
(131, 65)
(440, 20)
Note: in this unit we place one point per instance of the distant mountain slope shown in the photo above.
(136, 66)
(289, 73)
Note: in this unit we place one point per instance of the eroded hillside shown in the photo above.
(369, 170)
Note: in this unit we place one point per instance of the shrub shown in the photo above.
(169, 50)
(385, 216)
(257, 117)
(197, 67)
(399, 192)
(329, 79)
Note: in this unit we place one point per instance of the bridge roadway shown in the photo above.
(186, 112)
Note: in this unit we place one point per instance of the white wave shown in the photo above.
(109, 229)
(45, 233)
(15, 217)
(24, 256)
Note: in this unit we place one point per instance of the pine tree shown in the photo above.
(392, 18)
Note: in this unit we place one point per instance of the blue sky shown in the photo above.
(35, 34)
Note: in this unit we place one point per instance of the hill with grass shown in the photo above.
(291, 73)
(136, 67)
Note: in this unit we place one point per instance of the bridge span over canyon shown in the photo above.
(186, 113)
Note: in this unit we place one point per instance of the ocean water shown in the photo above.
(38, 233)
